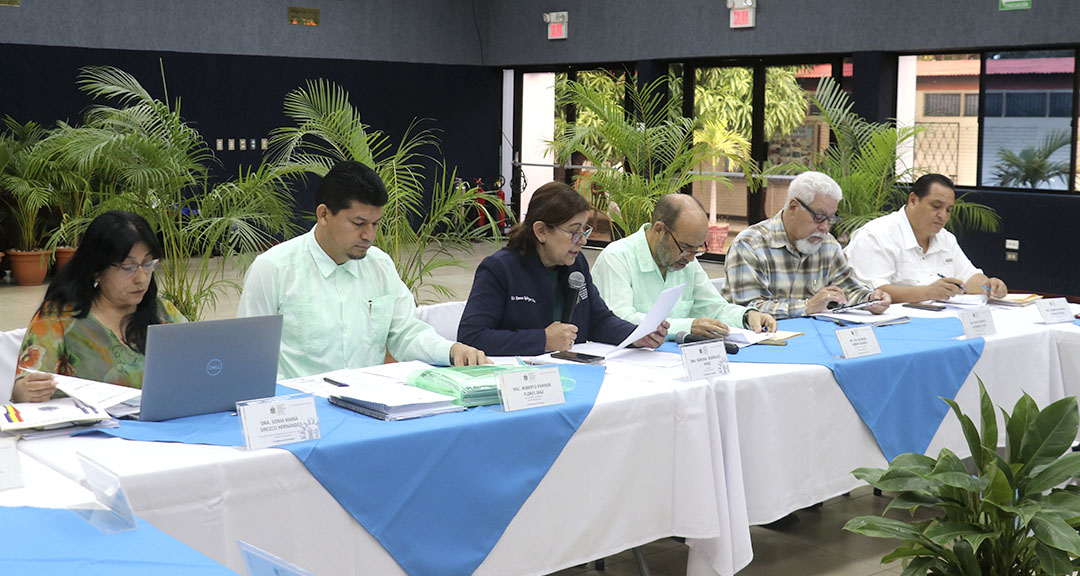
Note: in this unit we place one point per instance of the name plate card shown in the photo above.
(10, 468)
(705, 360)
(1054, 310)
(259, 562)
(858, 341)
(977, 322)
(530, 389)
(278, 420)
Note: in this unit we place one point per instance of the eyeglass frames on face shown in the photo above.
(129, 269)
(578, 236)
(818, 217)
(686, 249)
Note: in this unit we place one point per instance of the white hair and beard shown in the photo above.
(806, 246)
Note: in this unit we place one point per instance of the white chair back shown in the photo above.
(444, 317)
(10, 342)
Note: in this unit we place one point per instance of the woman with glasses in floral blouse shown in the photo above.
(92, 323)
(519, 293)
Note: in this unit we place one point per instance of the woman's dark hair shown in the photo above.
(553, 203)
(107, 241)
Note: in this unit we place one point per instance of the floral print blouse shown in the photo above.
(60, 343)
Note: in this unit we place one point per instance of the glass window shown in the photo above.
(942, 105)
(609, 86)
(1027, 144)
(1060, 104)
(971, 104)
(723, 104)
(930, 90)
(1025, 104)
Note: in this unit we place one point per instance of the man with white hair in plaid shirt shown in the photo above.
(789, 265)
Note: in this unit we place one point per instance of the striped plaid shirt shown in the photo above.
(766, 273)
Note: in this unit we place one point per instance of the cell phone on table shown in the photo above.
(925, 306)
(578, 357)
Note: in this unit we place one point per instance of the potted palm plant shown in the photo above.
(862, 158)
(641, 153)
(27, 194)
(72, 185)
(1009, 514)
(421, 229)
(139, 154)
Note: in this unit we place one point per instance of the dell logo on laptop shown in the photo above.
(213, 367)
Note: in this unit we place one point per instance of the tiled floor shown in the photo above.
(815, 544)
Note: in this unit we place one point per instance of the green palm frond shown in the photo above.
(420, 226)
(863, 160)
(640, 156)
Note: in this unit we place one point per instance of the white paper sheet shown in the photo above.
(659, 312)
(100, 395)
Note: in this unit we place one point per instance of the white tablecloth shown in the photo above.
(44, 487)
(649, 461)
(800, 438)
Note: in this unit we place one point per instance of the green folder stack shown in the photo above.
(469, 385)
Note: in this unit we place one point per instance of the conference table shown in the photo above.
(657, 456)
(45, 529)
(649, 461)
(800, 437)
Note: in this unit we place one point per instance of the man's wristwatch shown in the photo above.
(746, 318)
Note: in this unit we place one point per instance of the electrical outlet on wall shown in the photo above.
(1011, 256)
(1012, 244)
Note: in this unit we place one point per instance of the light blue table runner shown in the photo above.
(896, 393)
(48, 542)
(436, 492)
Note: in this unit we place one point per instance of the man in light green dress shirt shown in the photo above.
(632, 272)
(343, 303)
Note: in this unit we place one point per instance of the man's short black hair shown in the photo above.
(349, 182)
(921, 187)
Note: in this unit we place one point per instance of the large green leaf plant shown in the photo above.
(641, 153)
(139, 154)
(1011, 515)
(422, 229)
(24, 186)
(862, 157)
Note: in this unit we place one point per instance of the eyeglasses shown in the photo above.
(129, 269)
(576, 237)
(686, 249)
(818, 217)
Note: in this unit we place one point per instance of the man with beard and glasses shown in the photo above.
(632, 272)
(910, 255)
(789, 265)
(343, 303)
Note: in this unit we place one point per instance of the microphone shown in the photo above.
(575, 292)
(684, 337)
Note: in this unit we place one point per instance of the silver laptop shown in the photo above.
(204, 367)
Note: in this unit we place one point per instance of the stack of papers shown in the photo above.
(966, 300)
(468, 385)
(118, 401)
(393, 401)
(742, 337)
(862, 318)
(1015, 299)
(48, 415)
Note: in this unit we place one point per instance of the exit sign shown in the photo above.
(1014, 5)
(743, 18)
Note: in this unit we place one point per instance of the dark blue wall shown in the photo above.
(241, 97)
(1045, 225)
(436, 31)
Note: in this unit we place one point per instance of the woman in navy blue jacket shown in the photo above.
(519, 293)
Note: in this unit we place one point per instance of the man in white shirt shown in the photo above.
(343, 303)
(910, 255)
